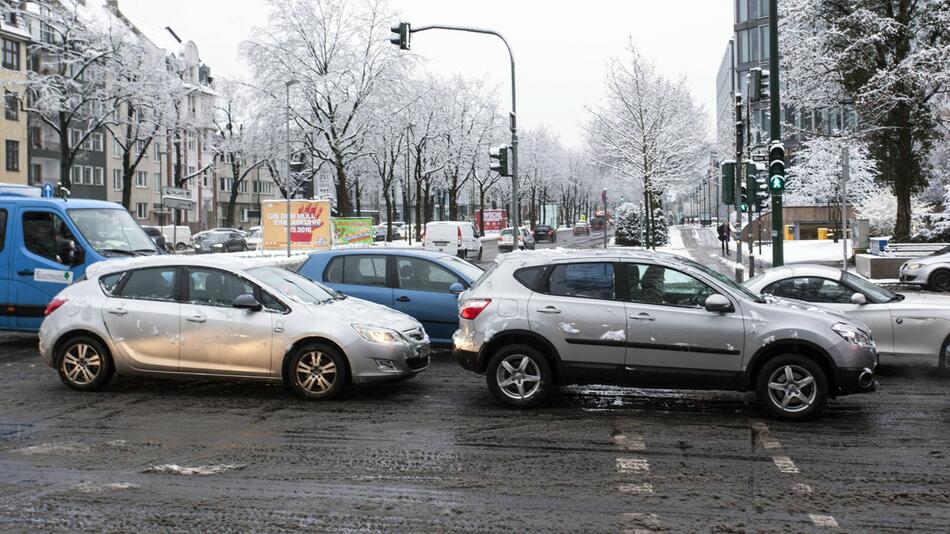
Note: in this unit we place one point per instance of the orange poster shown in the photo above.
(309, 224)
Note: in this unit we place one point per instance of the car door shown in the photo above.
(217, 338)
(41, 267)
(671, 338)
(142, 316)
(6, 268)
(364, 276)
(834, 295)
(577, 309)
(423, 290)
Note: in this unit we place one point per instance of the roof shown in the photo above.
(381, 251)
(76, 203)
(548, 255)
(227, 262)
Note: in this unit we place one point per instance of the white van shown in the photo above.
(177, 236)
(459, 238)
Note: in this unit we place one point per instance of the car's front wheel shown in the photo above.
(939, 280)
(943, 362)
(84, 364)
(317, 371)
(519, 376)
(791, 387)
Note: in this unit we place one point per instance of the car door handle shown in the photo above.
(25, 272)
(643, 317)
(403, 299)
(548, 309)
(117, 311)
(196, 318)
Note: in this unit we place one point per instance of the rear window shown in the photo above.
(3, 227)
(583, 280)
(357, 270)
(529, 276)
(109, 282)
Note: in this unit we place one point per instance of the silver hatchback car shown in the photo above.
(223, 318)
(652, 320)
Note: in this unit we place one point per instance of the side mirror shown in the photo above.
(247, 302)
(457, 287)
(718, 303)
(71, 254)
(859, 299)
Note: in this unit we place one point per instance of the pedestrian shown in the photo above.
(723, 230)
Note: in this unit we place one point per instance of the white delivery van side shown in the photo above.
(453, 237)
(178, 236)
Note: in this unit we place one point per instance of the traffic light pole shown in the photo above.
(775, 126)
(738, 195)
(515, 202)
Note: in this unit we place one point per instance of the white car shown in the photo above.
(192, 317)
(506, 240)
(254, 238)
(907, 328)
(459, 238)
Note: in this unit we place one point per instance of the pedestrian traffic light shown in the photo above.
(401, 39)
(756, 188)
(743, 199)
(499, 158)
(728, 169)
(777, 167)
(759, 84)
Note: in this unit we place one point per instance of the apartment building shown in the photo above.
(13, 125)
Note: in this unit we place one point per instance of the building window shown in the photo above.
(116, 148)
(36, 137)
(764, 42)
(36, 173)
(140, 144)
(100, 176)
(141, 210)
(87, 176)
(242, 187)
(141, 179)
(158, 182)
(742, 11)
(191, 142)
(117, 179)
(743, 46)
(46, 31)
(97, 141)
(75, 174)
(11, 54)
(74, 138)
(225, 184)
(158, 151)
(13, 155)
(11, 106)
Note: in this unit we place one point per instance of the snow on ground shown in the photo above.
(806, 251)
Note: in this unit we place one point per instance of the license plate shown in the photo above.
(440, 243)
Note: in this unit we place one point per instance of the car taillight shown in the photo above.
(460, 236)
(54, 305)
(472, 308)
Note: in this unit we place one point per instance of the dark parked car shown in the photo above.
(156, 235)
(220, 242)
(543, 232)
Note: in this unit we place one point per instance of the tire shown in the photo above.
(84, 364)
(309, 383)
(804, 400)
(943, 362)
(939, 280)
(180, 246)
(479, 256)
(519, 362)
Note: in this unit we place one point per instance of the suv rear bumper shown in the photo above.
(467, 359)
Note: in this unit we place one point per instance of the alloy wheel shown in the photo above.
(518, 377)
(946, 359)
(316, 372)
(81, 364)
(792, 388)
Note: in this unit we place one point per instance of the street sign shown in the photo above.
(177, 198)
(760, 157)
(47, 190)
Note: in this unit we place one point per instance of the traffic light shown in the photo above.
(743, 199)
(756, 187)
(728, 169)
(759, 83)
(401, 39)
(499, 158)
(777, 167)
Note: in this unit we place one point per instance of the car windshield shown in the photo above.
(506, 231)
(470, 271)
(874, 293)
(293, 286)
(216, 237)
(112, 231)
(724, 280)
(941, 252)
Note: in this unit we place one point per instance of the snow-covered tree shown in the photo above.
(816, 176)
(629, 232)
(887, 58)
(660, 236)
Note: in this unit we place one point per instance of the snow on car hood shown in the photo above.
(353, 310)
(810, 308)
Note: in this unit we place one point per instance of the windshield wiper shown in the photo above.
(126, 252)
(146, 251)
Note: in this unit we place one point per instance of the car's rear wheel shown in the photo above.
(519, 375)
(791, 387)
(943, 362)
(317, 371)
(939, 280)
(84, 364)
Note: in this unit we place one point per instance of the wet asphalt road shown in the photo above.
(437, 454)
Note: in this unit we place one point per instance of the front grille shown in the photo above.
(416, 334)
(417, 362)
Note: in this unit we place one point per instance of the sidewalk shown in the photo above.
(702, 245)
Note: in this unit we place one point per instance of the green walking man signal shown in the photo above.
(777, 167)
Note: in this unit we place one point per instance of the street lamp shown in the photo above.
(287, 85)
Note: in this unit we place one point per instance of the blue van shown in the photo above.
(47, 243)
(422, 284)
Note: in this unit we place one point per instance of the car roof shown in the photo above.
(545, 256)
(381, 251)
(78, 203)
(803, 269)
(227, 262)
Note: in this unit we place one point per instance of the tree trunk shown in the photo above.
(388, 199)
(65, 153)
(481, 211)
(342, 191)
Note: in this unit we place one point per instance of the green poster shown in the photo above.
(352, 231)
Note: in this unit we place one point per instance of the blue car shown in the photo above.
(422, 284)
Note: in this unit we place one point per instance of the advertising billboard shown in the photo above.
(309, 225)
(495, 220)
(352, 231)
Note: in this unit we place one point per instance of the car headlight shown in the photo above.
(378, 334)
(913, 266)
(853, 335)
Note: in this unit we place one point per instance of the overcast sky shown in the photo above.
(561, 47)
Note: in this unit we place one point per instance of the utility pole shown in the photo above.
(845, 176)
(739, 169)
(775, 127)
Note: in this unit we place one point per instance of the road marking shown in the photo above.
(632, 443)
(801, 488)
(785, 464)
(771, 444)
(823, 521)
(641, 489)
(626, 465)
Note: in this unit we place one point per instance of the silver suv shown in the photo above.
(652, 320)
